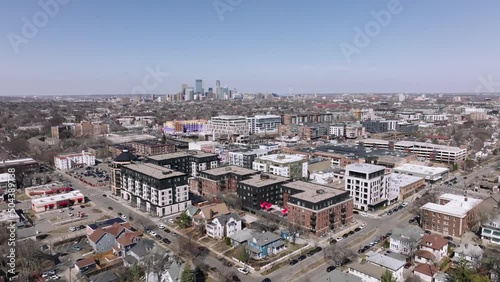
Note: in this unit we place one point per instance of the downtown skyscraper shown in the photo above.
(199, 87)
(218, 91)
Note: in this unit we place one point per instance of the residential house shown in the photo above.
(490, 231)
(223, 226)
(172, 273)
(434, 244)
(395, 266)
(103, 240)
(106, 224)
(125, 243)
(192, 210)
(209, 212)
(339, 276)
(406, 240)
(468, 252)
(138, 252)
(426, 272)
(264, 244)
(106, 276)
(241, 237)
(85, 265)
(366, 271)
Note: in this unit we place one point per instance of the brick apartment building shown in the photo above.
(261, 188)
(317, 208)
(84, 128)
(453, 214)
(187, 162)
(152, 148)
(210, 182)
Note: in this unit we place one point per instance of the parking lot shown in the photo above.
(94, 175)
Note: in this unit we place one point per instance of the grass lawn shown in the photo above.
(221, 247)
(22, 197)
(207, 241)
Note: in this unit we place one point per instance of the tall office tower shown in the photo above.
(183, 87)
(218, 90)
(210, 90)
(199, 86)
(225, 92)
(189, 94)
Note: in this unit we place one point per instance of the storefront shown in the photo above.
(57, 201)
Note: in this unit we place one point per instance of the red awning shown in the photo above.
(263, 204)
(62, 203)
(51, 205)
(45, 206)
(284, 211)
(268, 206)
(80, 199)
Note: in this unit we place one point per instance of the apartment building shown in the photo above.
(245, 158)
(184, 126)
(213, 181)
(434, 117)
(228, 125)
(307, 118)
(453, 214)
(154, 189)
(375, 126)
(125, 158)
(293, 166)
(190, 163)
(317, 208)
(337, 130)
(21, 166)
(84, 128)
(429, 151)
(75, 160)
(368, 185)
(404, 186)
(261, 188)
(152, 148)
(263, 124)
(490, 231)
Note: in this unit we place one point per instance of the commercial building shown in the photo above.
(21, 166)
(309, 131)
(430, 174)
(293, 166)
(404, 186)
(57, 201)
(190, 163)
(429, 151)
(227, 125)
(46, 190)
(320, 209)
(184, 126)
(375, 126)
(368, 185)
(263, 124)
(152, 148)
(261, 188)
(76, 160)
(452, 215)
(154, 189)
(307, 118)
(213, 181)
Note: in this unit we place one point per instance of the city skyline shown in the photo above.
(86, 48)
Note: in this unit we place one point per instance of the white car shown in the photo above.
(55, 277)
(161, 226)
(70, 214)
(72, 229)
(362, 226)
(243, 270)
(339, 239)
(124, 216)
(404, 204)
(153, 233)
(61, 211)
(171, 221)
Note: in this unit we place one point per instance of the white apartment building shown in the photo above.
(155, 189)
(426, 150)
(368, 185)
(227, 125)
(293, 166)
(409, 116)
(405, 241)
(337, 130)
(353, 131)
(70, 161)
(263, 124)
(434, 117)
(242, 158)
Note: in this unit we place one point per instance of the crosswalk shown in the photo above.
(93, 194)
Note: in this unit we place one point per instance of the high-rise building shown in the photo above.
(225, 92)
(368, 185)
(218, 90)
(183, 87)
(189, 94)
(199, 86)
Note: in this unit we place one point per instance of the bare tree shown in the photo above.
(231, 199)
(294, 230)
(429, 197)
(156, 263)
(338, 256)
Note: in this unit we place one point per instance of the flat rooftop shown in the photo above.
(312, 192)
(402, 180)
(413, 144)
(457, 206)
(57, 198)
(118, 139)
(73, 155)
(368, 269)
(17, 162)
(358, 151)
(282, 158)
(421, 169)
(262, 180)
(230, 169)
(155, 171)
(6, 215)
(180, 155)
(385, 261)
(364, 168)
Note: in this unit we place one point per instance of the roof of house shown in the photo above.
(265, 238)
(426, 269)
(192, 210)
(143, 247)
(433, 241)
(105, 276)
(106, 223)
(468, 249)
(113, 230)
(212, 211)
(397, 256)
(242, 235)
(128, 238)
(409, 233)
(368, 269)
(223, 219)
(85, 262)
(154, 171)
(385, 261)
(339, 276)
(130, 260)
(425, 254)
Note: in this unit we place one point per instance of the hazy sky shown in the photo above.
(106, 46)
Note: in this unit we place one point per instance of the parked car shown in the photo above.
(152, 233)
(339, 239)
(71, 209)
(388, 234)
(318, 249)
(330, 268)
(82, 206)
(110, 208)
(362, 226)
(302, 257)
(357, 229)
(77, 248)
(119, 214)
(70, 214)
(449, 238)
(266, 280)
(166, 241)
(124, 216)
(345, 235)
(161, 226)
(158, 237)
(104, 195)
(243, 270)
(428, 232)
(351, 232)
(355, 212)
(333, 241)
(293, 262)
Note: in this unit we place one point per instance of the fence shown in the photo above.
(271, 264)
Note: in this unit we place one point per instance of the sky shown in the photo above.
(77, 47)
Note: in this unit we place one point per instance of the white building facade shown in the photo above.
(263, 124)
(227, 125)
(70, 161)
(367, 184)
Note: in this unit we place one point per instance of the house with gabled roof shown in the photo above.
(209, 212)
(223, 226)
(434, 244)
(103, 240)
